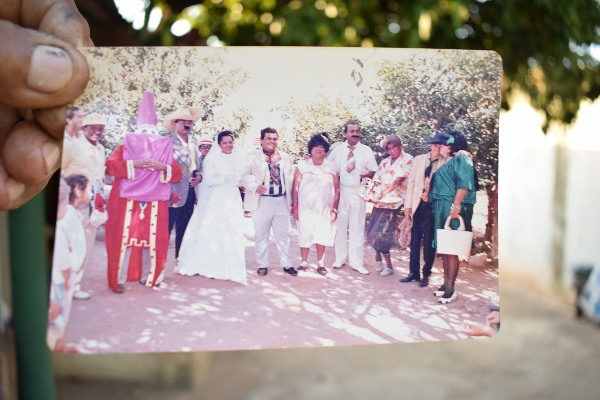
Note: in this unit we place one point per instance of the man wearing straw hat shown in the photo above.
(185, 151)
(86, 156)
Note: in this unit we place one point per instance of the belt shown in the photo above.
(273, 195)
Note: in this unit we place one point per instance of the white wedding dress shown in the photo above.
(214, 244)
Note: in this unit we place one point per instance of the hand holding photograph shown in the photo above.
(195, 182)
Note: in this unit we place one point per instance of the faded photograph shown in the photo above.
(253, 198)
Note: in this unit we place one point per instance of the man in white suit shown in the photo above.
(268, 196)
(418, 209)
(355, 162)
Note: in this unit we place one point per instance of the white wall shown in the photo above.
(527, 192)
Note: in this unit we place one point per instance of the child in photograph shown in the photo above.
(69, 253)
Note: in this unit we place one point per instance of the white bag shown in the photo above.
(455, 242)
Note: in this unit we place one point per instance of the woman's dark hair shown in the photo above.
(459, 142)
(222, 134)
(320, 139)
(75, 181)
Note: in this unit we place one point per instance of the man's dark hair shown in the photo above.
(351, 122)
(71, 112)
(264, 131)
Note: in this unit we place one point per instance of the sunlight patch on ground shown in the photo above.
(325, 341)
(381, 319)
(286, 300)
(93, 346)
(153, 310)
(313, 308)
(436, 321)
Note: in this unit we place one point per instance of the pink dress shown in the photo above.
(315, 202)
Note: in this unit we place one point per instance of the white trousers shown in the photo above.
(350, 236)
(90, 239)
(272, 212)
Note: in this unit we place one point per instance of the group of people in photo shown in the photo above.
(203, 189)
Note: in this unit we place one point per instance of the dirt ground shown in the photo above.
(276, 311)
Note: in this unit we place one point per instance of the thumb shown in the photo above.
(38, 70)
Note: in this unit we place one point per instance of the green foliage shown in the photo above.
(178, 78)
(543, 43)
(440, 91)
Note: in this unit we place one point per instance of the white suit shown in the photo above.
(269, 211)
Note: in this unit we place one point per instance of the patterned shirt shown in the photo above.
(387, 173)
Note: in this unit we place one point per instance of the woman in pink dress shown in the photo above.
(315, 198)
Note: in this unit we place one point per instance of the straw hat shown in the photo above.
(191, 113)
(93, 119)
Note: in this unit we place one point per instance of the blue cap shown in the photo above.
(438, 138)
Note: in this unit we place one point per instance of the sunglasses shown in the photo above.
(205, 146)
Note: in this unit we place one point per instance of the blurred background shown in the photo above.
(545, 226)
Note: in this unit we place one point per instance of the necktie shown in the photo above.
(273, 170)
(428, 171)
(350, 164)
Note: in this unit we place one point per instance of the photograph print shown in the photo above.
(253, 198)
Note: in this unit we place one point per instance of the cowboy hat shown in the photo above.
(191, 114)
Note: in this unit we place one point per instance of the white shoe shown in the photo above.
(446, 300)
(361, 270)
(386, 271)
(378, 266)
(81, 295)
(337, 266)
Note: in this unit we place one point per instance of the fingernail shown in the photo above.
(51, 153)
(15, 189)
(50, 69)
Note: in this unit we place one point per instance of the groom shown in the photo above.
(268, 182)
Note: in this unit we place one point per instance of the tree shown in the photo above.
(320, 115)
(544, 44)
(439, 91)
(176, 78)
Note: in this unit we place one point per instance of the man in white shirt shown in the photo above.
(86, 156)
(355, 162)
(73, 124)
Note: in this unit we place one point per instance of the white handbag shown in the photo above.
(454, 241)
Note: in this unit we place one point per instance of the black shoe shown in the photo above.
(262, 271)
(291, 270)
(410, 278)
(120, 289)
(424, 282)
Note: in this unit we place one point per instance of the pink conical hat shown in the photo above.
(147, 111)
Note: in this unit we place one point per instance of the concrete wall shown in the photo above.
(527, 174)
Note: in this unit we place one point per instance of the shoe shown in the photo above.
(322, 270)
(386, 271)
(424, 282)
(120, 289)
(410, 278)
(448, 298)
(361, 270)
(440, 292)
(337, 266)
(291, 270)
(378, 266)
(301, 267)
(81, 295)
(262, 271)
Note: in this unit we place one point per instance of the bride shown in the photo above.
(214, 244)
